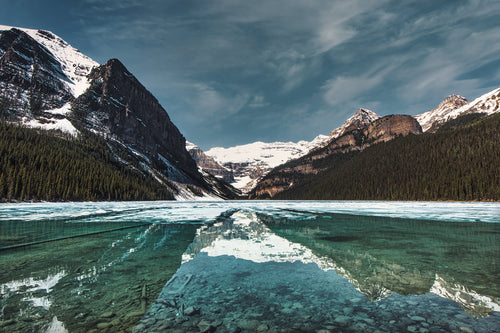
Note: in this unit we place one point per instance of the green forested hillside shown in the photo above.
(459, 164)
(36, 165)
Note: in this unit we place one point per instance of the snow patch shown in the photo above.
(63, 125)
(56, 326)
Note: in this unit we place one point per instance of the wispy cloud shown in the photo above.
(208, 104)
(258, 101)
(313, 59)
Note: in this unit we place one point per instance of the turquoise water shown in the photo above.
(250, 266)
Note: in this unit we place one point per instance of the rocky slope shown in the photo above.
(249, 163)
(40, 74)
(46, 83)
(455, 106)
(381, 130)
(360, 119)
(208, 164)
(118, 107)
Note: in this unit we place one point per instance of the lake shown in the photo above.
(250, 266)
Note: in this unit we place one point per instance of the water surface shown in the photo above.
(249, 266)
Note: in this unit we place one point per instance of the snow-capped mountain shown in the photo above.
(208, 164)
(357, 139)
(48, 84)
(360, 119)
(41, 72)
(74, 65)
(455, 106)
(250, 162)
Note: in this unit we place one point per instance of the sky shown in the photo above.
(231, 72)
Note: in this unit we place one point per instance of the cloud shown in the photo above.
(208, 104)
(340, 89)
(258, 101)
(299, 61)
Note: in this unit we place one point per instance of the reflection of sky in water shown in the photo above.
(243, 248)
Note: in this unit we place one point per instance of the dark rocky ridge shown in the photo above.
(46, 83)
(30, 77)
(381, 130)
(119, 107)
(209, 165)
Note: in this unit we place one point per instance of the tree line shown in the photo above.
(461, 163)
(40, 165)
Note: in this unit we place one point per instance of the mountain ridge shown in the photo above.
(455, 106)
(250, 162)
(381, 130)
(47, 84)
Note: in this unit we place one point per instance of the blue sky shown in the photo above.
(233, 72)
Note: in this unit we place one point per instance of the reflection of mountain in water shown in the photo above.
(475, 304)
(380, 255)
(405, 270)
(239, 274)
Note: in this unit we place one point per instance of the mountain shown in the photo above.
(355, 140)
(208, 164)
(455, 106)
(248, 163)
(456, 164)
(360, 119)
(295, 179)
(47, 84)
(40, 74)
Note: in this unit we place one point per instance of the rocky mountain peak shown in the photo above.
(361, 118)
(31, 79)
(453, 101)
(455, 106)
(118, 106)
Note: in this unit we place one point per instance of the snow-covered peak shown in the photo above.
(441, 112)
(453, 99)
(252, 161)
(190, 146)
(361, 118)
(454, 106)
(268, 154)
(75, 65)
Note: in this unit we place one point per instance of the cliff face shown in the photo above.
(119, 107)
(31, 79)
(45, 83)
(381, 130)
(208, 164)
(360, 119)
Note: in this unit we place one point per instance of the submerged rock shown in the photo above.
(108, 314)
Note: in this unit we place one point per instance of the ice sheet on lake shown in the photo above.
(171, 211)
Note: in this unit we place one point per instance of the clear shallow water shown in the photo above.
(229, 266)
